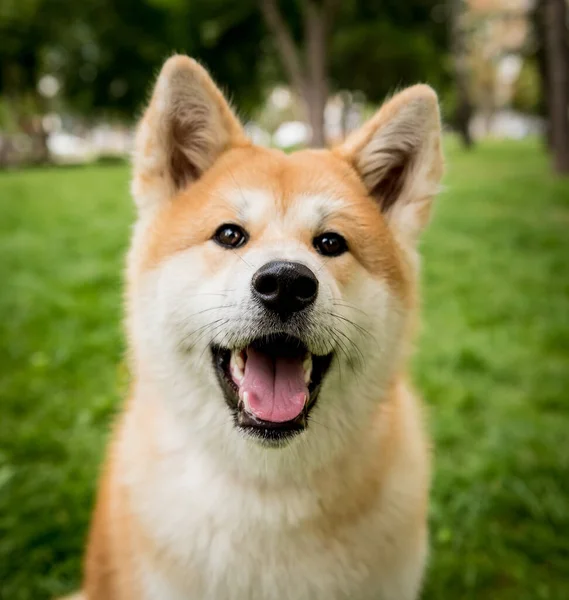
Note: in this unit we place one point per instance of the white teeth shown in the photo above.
(307, 365)
(245, 399)
(237, 366)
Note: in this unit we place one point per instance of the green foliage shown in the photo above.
(527, 90)
(105, 52)
(379, 69)
(493, 363)
(381, 46)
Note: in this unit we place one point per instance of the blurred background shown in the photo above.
(74, 74)
(493, 356)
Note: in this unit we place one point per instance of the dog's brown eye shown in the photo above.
(230, 236)
(330, 244)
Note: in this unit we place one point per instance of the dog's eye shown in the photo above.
(330, 244)
(230, 235)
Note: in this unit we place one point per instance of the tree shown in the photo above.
(104, 52)
(307, 75)
(557, 68)
(538, 55)
(464, 110)
(374, 46)
(131, 39)
(382, 45)
(27, 28)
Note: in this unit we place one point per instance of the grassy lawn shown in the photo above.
(493, 362)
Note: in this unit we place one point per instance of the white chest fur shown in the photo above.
(220, 536)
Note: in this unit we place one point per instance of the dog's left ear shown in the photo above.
(398, 156)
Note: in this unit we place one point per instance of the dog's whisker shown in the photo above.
(349, 322)
(249, 265)
(212, 330)
(204, 326)
(186, 338)
(356, 326)
(201, 312)
(223, 293)
(324, 263)
(350, 306)
(342, 350)
(335, 430)
(351, 358)
(204, 330)
(355, 347)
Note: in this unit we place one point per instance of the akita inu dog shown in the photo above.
(271, 447)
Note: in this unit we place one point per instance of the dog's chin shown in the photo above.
(280, 352)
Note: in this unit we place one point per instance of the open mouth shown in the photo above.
(271, 385)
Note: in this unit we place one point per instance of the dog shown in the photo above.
(271, 446)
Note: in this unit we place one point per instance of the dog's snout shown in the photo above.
(285, 287)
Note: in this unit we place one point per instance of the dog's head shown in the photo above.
(272, 293)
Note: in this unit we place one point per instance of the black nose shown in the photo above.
(285, 287)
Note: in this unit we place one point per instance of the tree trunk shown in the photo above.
(458, 45)
(315, 112)
(346, 108)
(316, 89)
(538, 26)
(308, 77)
(463, 117)
(558, 85)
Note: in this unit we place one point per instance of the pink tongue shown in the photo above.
(275, 385)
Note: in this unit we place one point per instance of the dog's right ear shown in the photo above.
(186, 127)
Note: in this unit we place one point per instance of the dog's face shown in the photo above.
(272, 293)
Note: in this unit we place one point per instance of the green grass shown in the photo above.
(493, 362)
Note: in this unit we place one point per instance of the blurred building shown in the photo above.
(500, 34)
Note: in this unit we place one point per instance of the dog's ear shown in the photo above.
(398, 156)
(186, 127)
